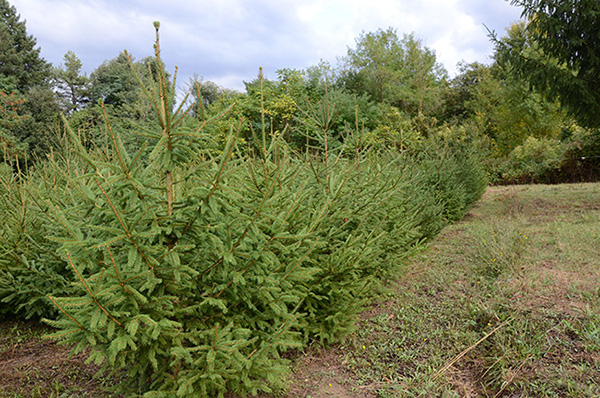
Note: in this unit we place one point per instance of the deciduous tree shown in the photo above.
(399, 72)
(72, 88)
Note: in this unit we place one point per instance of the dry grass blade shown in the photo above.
(512, 377)
(469, 349)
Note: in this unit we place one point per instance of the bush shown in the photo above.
(581, 156)
(534, 161)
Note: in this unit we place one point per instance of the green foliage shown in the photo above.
(272, 106)
(27, 107)
(369, 228)
(558, 53)
(375, 63)
(20, 61)
(30, 267)
(461, 91)
(581, 155)
(11, 119)
(452, 169)
(42, 124)
(506, 110)
(73, 88)
(113, 83)
(394, 130)
(396, 71)
(28, 125)
(192, 269)
(534, 160)
(206, 95)
(348, 120)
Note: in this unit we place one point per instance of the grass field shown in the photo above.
(505, 303)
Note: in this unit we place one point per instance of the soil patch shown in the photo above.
(31, 366)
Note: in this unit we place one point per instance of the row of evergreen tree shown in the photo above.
(191, 267)
(190, 244)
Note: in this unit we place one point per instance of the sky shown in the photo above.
(226, 41)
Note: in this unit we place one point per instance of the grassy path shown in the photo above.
(503, 304)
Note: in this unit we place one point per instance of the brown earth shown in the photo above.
(31, 366)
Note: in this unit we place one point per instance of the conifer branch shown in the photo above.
(247, 268)
(89, 291)
(58, 217)
(215, 182)
(169, 182)
(149, 95)
(125, 229)
(66, 313)
(112, 260)
(299, 262)
(257, 212)
(114, 140)
(284, 328)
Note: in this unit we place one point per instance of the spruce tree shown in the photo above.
(25, 91)
(195, 273)
(20, 60)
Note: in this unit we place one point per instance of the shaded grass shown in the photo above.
(503, 304)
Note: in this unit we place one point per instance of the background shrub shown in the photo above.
(534, 160)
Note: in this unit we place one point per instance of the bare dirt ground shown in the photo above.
(31, 366)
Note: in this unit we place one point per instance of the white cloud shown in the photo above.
(227, 40)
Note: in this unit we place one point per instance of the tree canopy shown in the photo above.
(387, 91)
(559, 53)
(20, 60)
(27, 104)
(398, 71)
(71, 86)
